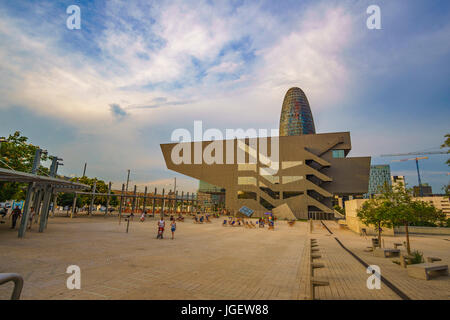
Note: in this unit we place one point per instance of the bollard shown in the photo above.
(316, 283)
(128, 223)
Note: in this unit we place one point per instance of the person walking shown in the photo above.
(161, 224)
(15, 214)
(30, 218)
(173, 227)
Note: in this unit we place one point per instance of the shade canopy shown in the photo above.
(57, 183)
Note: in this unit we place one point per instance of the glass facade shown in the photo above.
(338, 153)
(379, 174)
(296, 117)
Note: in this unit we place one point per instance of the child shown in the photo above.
(173, 227)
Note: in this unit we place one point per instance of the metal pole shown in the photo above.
(418, 177)
(55, 196)
(91, 207)
(182, 202)
(107, 198)
(144, 201)
(24, 221)
(176, 202)
(169, 205)
(74, 205)
(163, 203)
(133, 205)
(121, 200)
(154, 203)
(126, 189)
(84, 170)
(45, 207)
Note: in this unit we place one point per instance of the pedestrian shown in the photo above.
(15, 214)
(30, 218)
(173, 227)
(161, 224)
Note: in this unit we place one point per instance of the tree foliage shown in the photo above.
(66, 199)
(446, 144)
(17, 154)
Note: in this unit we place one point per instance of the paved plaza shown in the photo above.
(205, 261)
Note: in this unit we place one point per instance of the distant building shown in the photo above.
(426, 190)
(379, 175)
(440, 202)
(396, 180)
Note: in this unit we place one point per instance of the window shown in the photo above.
(246, 195)
(338, 153)
(290, 194)
(247, 181)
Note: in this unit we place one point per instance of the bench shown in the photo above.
(316, 283)
(426, 270)
(433, 259)
(396, 245)
(316, 265)
(405, 259)
(382, 252)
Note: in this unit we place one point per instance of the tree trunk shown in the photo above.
(379, 235)
(408, 248)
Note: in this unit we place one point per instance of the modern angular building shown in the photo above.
(309, 171)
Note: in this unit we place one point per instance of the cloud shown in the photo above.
(117, 111)
(228, 63)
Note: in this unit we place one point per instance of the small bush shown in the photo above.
(418, 257)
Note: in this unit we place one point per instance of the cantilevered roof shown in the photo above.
(57, 183)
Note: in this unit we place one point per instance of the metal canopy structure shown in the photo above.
(40, 191)
(59, 185)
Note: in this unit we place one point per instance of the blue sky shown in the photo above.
(110, 93)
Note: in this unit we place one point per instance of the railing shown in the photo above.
(18, 283)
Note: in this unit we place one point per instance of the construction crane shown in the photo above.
(417, 162)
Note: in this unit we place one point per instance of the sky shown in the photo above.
(109, 93)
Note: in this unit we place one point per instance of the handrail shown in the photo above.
(18, 283)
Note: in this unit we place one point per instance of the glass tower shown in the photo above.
(379, 175)
(296, 117)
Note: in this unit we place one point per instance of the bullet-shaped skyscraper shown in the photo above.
(296, 117)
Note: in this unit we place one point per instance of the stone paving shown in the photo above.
(435, 246)
(205, 261)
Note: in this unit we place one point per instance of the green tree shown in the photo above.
(446, 144)
(17, 154)
(404, 210)
(375, 212)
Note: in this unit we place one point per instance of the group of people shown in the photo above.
(16, 213)
(237, 222)
(162, 225)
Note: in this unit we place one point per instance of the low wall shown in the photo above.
(356, 225)
(424, 230)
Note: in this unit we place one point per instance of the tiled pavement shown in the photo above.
(205, 261)
(436, 246)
